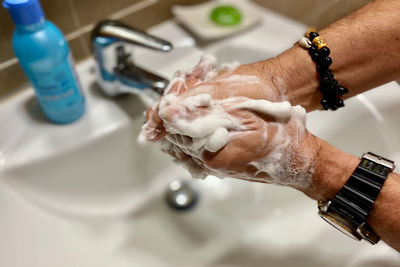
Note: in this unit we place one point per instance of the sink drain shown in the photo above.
(181, 195)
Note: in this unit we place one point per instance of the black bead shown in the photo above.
(341, 90)
(329, 77)
(312, 35)
(324, 51)
(339, 103)
(312, 49)
(325, 61)
(327, 74)
(321, 68)
(326, 80)
(324, 89)
(315, 56)
(324, 103)
(332, 86)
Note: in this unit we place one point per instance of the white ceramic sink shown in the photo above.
(87, 194)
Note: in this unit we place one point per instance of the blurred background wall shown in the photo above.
(77, 17)
(318, 13)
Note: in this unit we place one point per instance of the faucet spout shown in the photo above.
(116, 69)
(120, 31)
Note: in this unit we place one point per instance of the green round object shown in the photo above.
(226, 16)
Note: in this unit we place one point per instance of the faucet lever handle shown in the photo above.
(123, 32)
(123, 59)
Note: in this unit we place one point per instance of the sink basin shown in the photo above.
(87, 194)
(369, 121)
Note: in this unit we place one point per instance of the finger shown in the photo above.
(176, 152)
(187, 81)
(155, 117)
(158, 131)
(201, 71)
(254, 180)
(149, 113)
(165, 117)
(184, 81)
(177, 84)
(192, 79)
(168, 117)
(182, 141)
(206, 65)
(197, 171)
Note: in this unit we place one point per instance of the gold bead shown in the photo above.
(318, 42)
(311, 29)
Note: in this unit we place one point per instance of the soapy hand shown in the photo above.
(233, 80)
(222, 124)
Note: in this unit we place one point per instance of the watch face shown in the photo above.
(342, 227)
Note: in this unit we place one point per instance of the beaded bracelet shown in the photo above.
(319, 52)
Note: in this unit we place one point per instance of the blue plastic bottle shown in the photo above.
(45, 58)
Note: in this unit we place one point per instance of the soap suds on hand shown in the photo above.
(201, 100)
(199, 124)
(217, 139)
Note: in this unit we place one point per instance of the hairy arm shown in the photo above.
(365, 49)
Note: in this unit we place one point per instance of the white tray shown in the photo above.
(197, 18)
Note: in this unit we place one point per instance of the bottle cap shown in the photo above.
(24, 12)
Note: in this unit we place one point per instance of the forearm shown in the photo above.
(332, 170)
(365, 49)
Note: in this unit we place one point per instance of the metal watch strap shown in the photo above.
(356, 198)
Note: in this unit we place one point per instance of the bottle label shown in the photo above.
(59, 87)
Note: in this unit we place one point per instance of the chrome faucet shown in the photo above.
(116, 70)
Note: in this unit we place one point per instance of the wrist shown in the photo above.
(297, 71)
(333, 168)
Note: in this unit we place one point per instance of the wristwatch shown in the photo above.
(349, 209)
